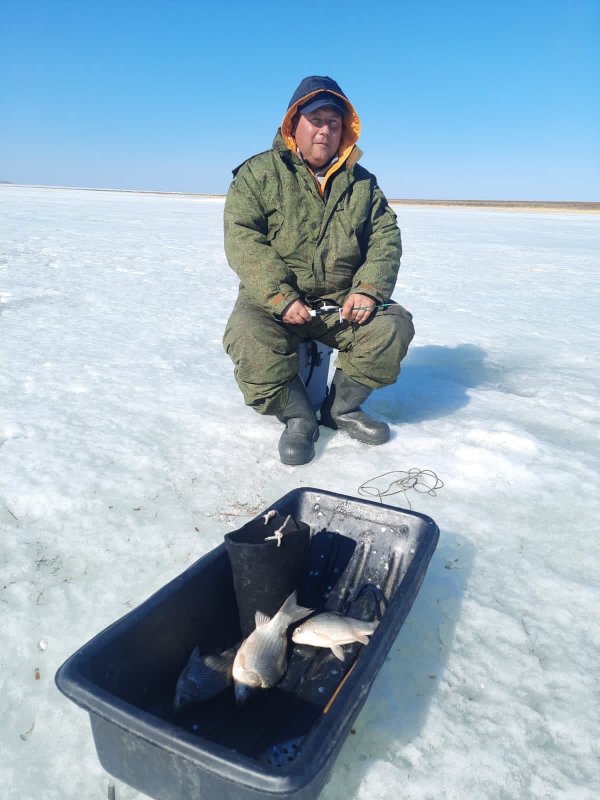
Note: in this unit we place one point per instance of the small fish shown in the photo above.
(203, 678)
(331, 629)
(261, 661)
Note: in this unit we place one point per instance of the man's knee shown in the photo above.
(401, 322)
(265, 361)
(374, 357)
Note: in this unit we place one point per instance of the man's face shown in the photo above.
(318, 135)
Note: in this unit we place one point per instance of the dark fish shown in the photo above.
(203, 678)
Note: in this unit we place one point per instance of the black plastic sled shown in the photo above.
(361, 558)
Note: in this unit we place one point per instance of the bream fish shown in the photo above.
(332, 630)
(203, 678)
(261, 661)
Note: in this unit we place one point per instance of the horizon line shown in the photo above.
(580, 205)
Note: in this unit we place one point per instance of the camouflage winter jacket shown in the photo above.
(287, 237)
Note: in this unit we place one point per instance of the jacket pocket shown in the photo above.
(344, 255)
(275, 222)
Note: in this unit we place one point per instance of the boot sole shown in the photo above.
(294, 463)
(362, 439)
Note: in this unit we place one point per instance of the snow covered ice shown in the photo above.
(127, 453)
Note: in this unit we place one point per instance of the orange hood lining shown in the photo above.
(350, 132)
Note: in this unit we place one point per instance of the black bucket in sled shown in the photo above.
(282, 744)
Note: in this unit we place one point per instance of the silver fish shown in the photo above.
(261, 661)
(203, 678)
(331, 629)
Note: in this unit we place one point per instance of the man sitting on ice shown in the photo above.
(306, 225)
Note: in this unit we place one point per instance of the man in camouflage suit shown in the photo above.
(305, 224)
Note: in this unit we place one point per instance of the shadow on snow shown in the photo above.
(433, 383)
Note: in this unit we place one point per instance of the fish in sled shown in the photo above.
(354, 566)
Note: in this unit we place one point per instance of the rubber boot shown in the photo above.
(341, 411)
(296, 445)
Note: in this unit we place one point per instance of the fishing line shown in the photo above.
(424, 481)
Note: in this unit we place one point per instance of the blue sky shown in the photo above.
(488, 100)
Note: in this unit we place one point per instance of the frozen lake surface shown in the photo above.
(127, 453)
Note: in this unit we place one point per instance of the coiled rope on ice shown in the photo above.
(424, 481)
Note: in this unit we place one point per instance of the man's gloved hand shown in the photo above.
(363, 302)
(297, 313)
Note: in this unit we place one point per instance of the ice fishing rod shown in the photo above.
(324, 309)
(329, 309)
(372, 308)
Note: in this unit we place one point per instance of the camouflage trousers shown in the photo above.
(264, 350)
